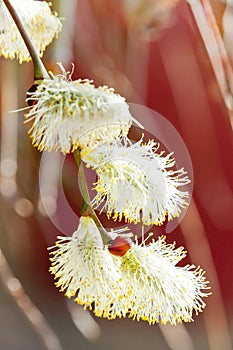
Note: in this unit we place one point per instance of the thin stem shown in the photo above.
(39, 68)
(86, 208)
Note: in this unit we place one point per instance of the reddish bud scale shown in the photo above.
(120, 246)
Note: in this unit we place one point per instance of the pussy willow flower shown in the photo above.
(136, 183)
(84, 269)
(41, 25)
(160, 291)
(70, 114)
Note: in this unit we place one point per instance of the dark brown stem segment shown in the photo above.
(86, 208)
(39, 68)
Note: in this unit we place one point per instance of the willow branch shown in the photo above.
(41, 73)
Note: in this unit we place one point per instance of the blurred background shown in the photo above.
(174, 57)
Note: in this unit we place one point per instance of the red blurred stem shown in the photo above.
(222, 50)
(207, 25)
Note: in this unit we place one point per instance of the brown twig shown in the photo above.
(39, 69)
